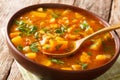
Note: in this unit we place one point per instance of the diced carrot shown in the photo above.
(12, 35)
(31, 55)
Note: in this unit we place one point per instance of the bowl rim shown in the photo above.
(59, 5)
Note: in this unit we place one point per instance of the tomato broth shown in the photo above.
(53, 30)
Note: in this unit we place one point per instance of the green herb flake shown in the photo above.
(20, 23)
(89, 53)
(33, 29)
(84, 25)
(22, 28)
(25, 28)
(45, 30)
(58, 46)
(84, 66)
(57, 61)
(60, 30)
(107, 48)
(44, 9)
(36, 35)
(34, 47)
(20, 47)
(47, 47)
(55, 15)
(77, 30)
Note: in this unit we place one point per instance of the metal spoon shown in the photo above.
(78, 43)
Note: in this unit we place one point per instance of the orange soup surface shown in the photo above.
(52, 30)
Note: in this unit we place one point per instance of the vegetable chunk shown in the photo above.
(38, 14)
(58, 45)
(31, 55)
(85, 58)
(97, 45)
(17, 41)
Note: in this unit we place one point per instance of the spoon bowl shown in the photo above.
(78, 43)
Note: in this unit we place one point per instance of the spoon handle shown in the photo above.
(106, 29)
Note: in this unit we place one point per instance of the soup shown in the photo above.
(53, 30)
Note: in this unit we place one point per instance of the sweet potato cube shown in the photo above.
(38, 14)
(31, 55)
(85, 58)
(17, 40)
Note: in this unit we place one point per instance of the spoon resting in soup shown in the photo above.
(53, 30)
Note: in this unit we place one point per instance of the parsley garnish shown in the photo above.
(89, 53)
(84, 25)
(37, 35)
(55, 15)
(58, 46)
(26, 28)
(19, 47)
(57, 61)
(45, 30)
(84, 66)
(34, 47)
(60, 30)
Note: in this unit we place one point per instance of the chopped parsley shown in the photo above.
(26, 28)
(33, 29)
(20, 47)
(55, 15)
(60, 30)
(58, 46)
(34, 47)
(20, 23)
(89, 53)
(77, 30)
(57, 61)
(45, 30)
(84, 25)
(36, 35)
(84, 66)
